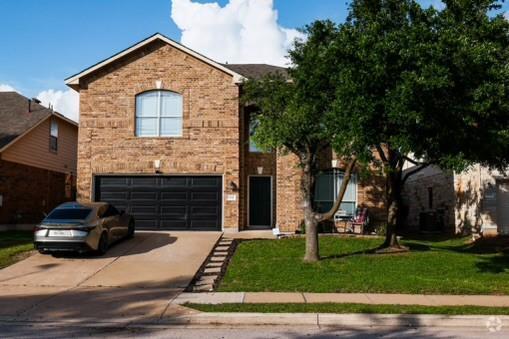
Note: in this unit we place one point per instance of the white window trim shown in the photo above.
(158, 116)
(53, 122)
(337, 187)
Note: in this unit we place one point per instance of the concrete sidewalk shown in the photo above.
(356, 298)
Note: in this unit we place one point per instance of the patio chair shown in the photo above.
(360, 219)
(342, 220)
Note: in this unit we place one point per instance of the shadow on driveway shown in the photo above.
(68, 268)
(134, 281)
(89, 305)
(136, 245)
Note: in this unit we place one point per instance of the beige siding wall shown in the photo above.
(469, 198)
(33, 148)
(476, 199)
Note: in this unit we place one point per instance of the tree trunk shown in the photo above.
(393, 209)
(393, 162)
(312, 245)
(310, 221)
(394, 186)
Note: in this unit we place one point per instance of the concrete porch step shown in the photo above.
(214, 264)
(212, 270)
(218, 258)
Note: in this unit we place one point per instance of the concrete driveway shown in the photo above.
(135, 280)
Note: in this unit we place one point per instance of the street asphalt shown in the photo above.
(25, 330)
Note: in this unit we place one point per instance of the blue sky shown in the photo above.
(44, 41)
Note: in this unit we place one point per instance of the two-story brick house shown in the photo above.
(163, 134)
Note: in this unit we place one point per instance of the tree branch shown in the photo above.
(344, 185)
(414, 171)
(381, 153)
(415, 162)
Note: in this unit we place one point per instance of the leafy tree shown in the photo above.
(424, 82)
(292, 115)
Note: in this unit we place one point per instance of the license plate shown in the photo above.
(60, 233)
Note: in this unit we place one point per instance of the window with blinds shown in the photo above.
(327, 188)
(159, 114)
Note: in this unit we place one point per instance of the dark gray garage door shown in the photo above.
(165, 202)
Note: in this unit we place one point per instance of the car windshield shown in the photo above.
(69, 213)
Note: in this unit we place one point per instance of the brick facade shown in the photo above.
(25, 201)
(215, 137)
(253, 164)
(211, 125)
(290, 215)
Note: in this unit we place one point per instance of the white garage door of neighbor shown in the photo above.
(503, 207)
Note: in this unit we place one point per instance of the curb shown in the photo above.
(340, 320)
(346, 321)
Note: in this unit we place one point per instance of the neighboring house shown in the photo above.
(473, 201)
(164, 135)
(37, 159)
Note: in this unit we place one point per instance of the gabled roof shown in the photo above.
(73, 81)
(16, 120)
(257, 71)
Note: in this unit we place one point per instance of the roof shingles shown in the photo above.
(15, 119)
(256, 71)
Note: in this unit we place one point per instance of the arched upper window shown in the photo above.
(159, 114)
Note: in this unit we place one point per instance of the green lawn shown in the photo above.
(13, 244)
(349, 265)
(350, 308)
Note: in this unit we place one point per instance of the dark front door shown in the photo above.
(260, 202)
(165, 202)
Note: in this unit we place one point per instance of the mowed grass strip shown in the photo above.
(350, 308)
(13, 244)
(349, 265)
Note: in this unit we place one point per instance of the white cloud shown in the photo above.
(7, 88)
(65, 102)
(506, 15)
(243, 31)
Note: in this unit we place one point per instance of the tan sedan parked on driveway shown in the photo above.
(81, 227)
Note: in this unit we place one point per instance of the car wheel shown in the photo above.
(43, 252)
(130, 229)
(102, 248)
